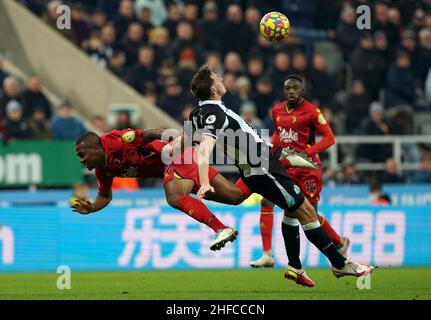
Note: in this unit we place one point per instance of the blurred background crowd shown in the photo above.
(367, 82)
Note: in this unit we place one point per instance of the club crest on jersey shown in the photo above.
(211, 119)
(128, 137)
(130, 172)
(287, 136)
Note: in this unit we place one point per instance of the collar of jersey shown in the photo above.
(218, 102)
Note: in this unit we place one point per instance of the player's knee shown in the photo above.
(173, 200)
(266, 203)
(307, 211)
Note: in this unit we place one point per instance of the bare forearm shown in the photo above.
(101, 201)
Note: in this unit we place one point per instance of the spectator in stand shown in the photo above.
(263, 48)
(248, 113)
(214, 61)
(157, 8)
(349, 174)
(144, 72)
(326, 16)
(33, 98)
(376, 124)
(211, 28)
(51, 15)
(264, 96)
(377, 197)
(356, 107)
(236, 36)
(10, 93)
(301, 13)
(255, 70)
(279, 71)
(117, 65)
(99, 123)
(300, 68)
(323, 84)
(80, 27)
(423, 175)
(184, 41)
(233, 63)
(252, 14)
(64, 125)
(170, 100)
(124, 120)
(124, 18)
(347, 34)
(424, 52)
(391, 174)
(132, 42)
(159, 40)
(174, 17)
(191, 14)
(186, 68)
(231, 98)
(98, 20)
(383, 23)
(39, 125)
(409, 44)
(16, 126)
(243, 86)
(418, 21)
(368, 66)
(185, 113)
(382, 48)
(3, 74)
(400, 83)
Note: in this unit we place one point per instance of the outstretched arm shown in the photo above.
(205, 149)
(87, 207)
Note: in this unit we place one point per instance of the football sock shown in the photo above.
(199, 211)
(290, 231)
(321, 240)
(244, 189)
(266, 224)
(333, 235)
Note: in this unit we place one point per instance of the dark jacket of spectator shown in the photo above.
(36, 100)
(400, 86)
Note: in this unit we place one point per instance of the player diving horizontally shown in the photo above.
(296, 122)
(214, 122)
(137, 153)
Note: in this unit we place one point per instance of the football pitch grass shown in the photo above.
(386, 283)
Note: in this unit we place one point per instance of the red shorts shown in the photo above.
(308, 180)
(187, 168)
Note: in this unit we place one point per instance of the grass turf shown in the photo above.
(386, 283)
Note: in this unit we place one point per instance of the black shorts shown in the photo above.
(275, 185)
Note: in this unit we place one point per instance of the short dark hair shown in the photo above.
(201, 83)
(89, 138)
(295, 77)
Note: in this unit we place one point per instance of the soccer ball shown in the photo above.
(274, 26)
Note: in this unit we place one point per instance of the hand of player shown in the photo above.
(82, 206)
(204, 189)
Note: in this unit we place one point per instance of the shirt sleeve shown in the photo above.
(212, 122)
(323, 128)
(105, 182)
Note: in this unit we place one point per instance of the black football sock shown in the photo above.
(321, 240)
(290, 231)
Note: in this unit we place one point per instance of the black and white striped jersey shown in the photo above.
(240, 142)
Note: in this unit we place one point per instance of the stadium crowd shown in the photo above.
(369, 82)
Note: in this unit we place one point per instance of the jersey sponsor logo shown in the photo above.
(211, 119)
(130, 172)
(128, 137)
(287, 135)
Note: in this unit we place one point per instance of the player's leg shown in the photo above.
(178, 187)
(278, 188)
(266, 224)
(225, 191)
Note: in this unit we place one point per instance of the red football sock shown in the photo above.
(266, 223)
(331, 232)
(244, 189)
(199, 211)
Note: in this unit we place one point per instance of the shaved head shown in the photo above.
(89, 139)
